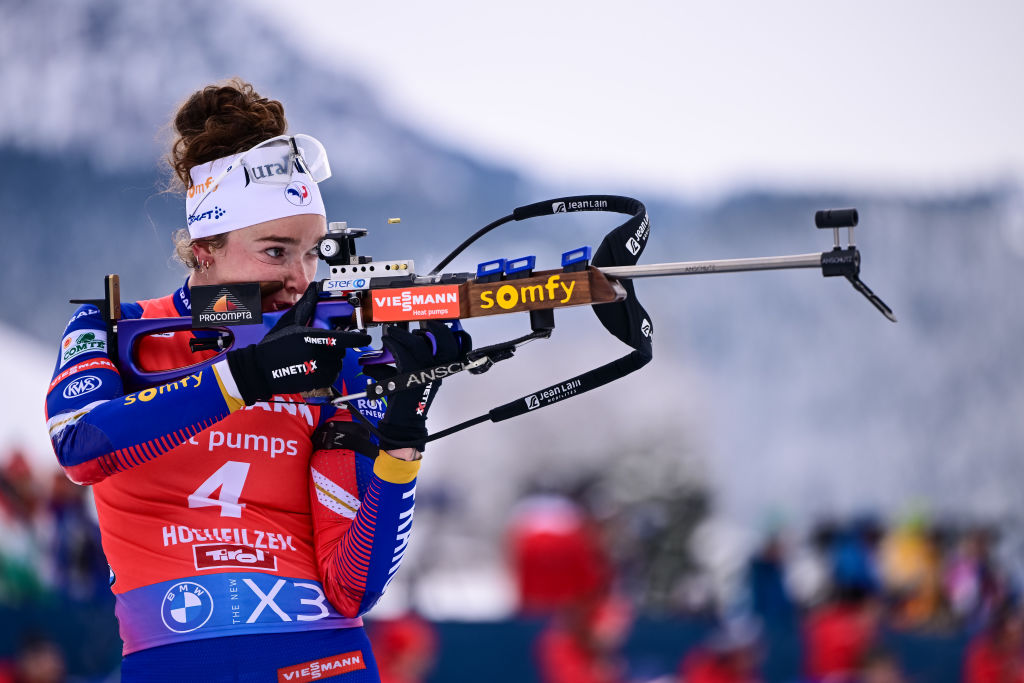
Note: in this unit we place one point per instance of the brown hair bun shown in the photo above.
(220, 120)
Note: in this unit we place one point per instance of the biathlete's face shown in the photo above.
(282, 250)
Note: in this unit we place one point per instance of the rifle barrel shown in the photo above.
(714, 266)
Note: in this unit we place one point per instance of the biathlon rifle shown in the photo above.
(361, 292)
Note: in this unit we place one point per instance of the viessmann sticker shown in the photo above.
(416, 303)
(94, 364)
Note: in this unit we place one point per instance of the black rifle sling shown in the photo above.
(625, 319)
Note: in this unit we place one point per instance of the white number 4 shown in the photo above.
(229, 479)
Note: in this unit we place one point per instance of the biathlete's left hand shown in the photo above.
(405, 421)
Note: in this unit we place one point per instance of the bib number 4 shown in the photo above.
(226, 483)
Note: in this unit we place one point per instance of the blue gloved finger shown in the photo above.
(411, 351)
(464, 340)
(462, 337)
(445, 346)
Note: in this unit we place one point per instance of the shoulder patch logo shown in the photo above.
(79, 342)
(82, 385)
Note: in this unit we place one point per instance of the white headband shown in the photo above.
(250, 193)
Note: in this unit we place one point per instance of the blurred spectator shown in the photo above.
(405, 648)
(850, 552)
(880, 667)
(38, 660)
(557, 554)
(839, 634)
(911, 572)
(80, 570)
(24, 562)
(971, 580)
(997, 654)
(766, 582)
(854, 555)
(582, 643)
(731, 655)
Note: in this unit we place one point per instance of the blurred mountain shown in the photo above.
(92, 87)
(783, 390)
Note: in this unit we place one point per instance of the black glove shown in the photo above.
(292, 357)
(405, 420)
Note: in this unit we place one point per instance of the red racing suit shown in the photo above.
(220, 519)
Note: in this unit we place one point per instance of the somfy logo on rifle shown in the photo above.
(234, 304)
(511, 294)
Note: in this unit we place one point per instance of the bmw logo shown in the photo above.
(297, 193)
(186, 607)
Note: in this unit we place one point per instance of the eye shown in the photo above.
(274, 252)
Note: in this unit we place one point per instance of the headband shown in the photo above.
(253, 187)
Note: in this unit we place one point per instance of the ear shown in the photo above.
(202, 252)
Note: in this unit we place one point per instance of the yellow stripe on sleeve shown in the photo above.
(227, 386)
(395, 471)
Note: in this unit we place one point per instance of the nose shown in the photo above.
(297, 278)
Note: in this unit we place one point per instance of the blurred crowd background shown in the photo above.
(602, 596)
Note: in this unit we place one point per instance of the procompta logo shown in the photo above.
(225, 308)
(234, 304)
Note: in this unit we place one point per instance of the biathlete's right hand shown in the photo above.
(292, 357)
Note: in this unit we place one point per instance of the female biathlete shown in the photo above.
(245, 533)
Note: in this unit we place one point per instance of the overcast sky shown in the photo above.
(699, 97)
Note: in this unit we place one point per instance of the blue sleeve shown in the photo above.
(96, 430)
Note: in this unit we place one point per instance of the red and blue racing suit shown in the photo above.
(219, 519)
